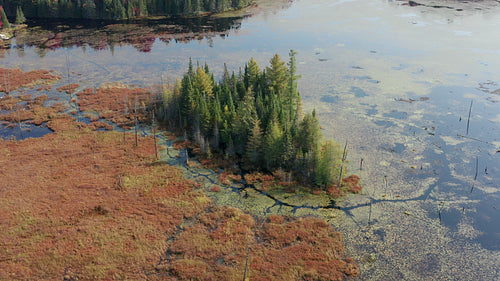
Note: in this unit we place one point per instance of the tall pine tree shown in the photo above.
(5, 21)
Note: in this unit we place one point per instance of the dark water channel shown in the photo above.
(396, 79)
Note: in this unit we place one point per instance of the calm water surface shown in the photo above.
(396, 82)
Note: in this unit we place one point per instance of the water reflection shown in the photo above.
(101, 35)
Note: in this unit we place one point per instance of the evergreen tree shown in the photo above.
(20, 19)
(293, 96)
(196, 6)
(309, 135)
(325, 166)
(89, 9)
(190, 68)
(3, 17)
(253, 147)
(246, 110)
(143, 11)
(130, 10)
(63, 8)
(272, 144)
(203, 111)
(277, 74)
(203, 82)
(252, 73)
(188, 9)
(226, 78)
(288, 153)
(187, 101)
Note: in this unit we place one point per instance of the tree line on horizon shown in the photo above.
(255, 118)
(115, 9)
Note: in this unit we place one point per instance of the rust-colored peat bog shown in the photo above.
(117, 103)
(13, 79)
(81, 204)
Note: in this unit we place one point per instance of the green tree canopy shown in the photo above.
(19, 16)
(4, 20)
(255, 117)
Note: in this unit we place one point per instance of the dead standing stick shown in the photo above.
(342, 165)
(475, 175)
(468, 118)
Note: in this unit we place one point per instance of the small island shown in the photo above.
(253, 122)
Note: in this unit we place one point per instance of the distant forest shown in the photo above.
(254, 117)
(115, 9)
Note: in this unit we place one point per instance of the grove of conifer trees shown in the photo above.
(254, 118)
(115, 9)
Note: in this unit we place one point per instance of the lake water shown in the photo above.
(413, 89)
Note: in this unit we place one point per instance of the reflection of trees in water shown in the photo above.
(140, 34)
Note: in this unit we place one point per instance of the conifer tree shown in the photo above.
(89, 9)
(272, 144)
(20, 19)
(309, 135)
(188, 9)
(247, 110)
(190, 68)
(277, 74)
(288, 151)
(325, 165)
(3, 16)
(187, 100)
(252, 72)
(293, 96)
(143, 11)
(253, 147)
(196, 6)
(226, 78)
(203, 82)
(205, 117)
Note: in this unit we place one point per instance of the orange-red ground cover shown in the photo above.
(85, 205)
(217, 244)
(13, 79)
(33, 111)
(117, 103)
(80, 203)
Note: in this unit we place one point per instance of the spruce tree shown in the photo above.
(247, 111)
(325, 165)
(253, 147)
(252, 72)
(277, 74)
(188, 9)
(3, 16)
(288, 151)
(272, 144)
(89, 9)
(20, 19)
(203, 82)
(309, 134)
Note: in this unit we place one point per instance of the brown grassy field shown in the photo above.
(81, 204)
